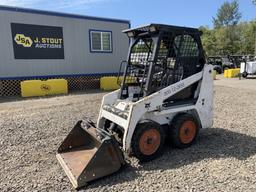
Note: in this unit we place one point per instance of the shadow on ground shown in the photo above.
(213, 143)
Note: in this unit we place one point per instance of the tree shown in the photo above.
(254, 2)
(247, 37)
(228, 15)
(209, 41)
(229, 36)
(223, 41)
(225, 22)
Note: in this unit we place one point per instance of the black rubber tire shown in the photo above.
(220, 71)
(244, 74)
(175, 129)
(140, 129)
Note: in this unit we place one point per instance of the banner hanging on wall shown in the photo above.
(37, 41)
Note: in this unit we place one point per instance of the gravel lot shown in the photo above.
(223, 159)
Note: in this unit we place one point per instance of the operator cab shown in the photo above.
(159, 56)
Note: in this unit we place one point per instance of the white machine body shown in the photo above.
(130, 112)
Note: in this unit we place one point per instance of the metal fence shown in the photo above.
(77, 83)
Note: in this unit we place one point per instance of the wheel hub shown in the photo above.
(187, 132)
(149, 142)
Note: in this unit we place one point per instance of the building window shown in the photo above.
(101, 41)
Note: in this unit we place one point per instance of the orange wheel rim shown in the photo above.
(149, 142)
(187, 132)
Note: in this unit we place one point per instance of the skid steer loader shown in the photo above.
(166, 94)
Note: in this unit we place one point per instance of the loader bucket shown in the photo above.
(89, 153)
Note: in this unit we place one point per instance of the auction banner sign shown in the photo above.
(37, 41)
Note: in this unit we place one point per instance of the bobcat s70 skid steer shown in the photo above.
(166, 94)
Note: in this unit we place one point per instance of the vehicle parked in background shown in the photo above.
(216, 62)
(227, 63)
(222, 63)
(236, 60)
(248, 66)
